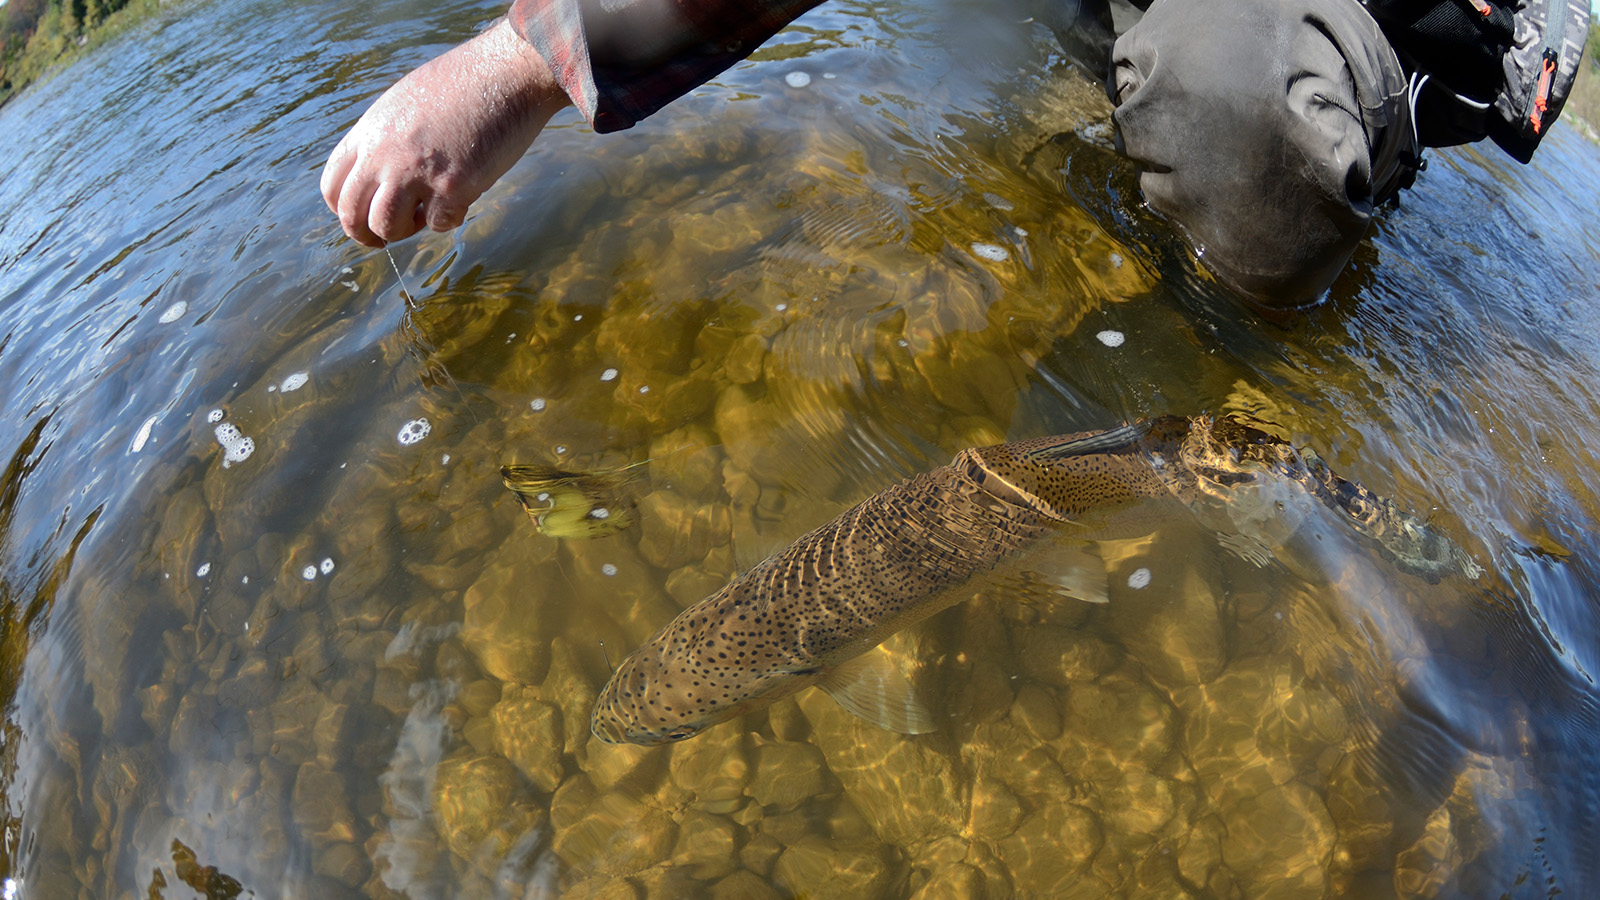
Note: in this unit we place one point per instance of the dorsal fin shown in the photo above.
(1100, 442)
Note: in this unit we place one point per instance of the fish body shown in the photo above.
(804, 615)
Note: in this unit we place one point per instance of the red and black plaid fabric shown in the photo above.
(614, 97)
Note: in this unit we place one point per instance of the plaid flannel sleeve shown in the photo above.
(614, 97)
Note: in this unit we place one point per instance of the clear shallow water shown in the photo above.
(805, 293)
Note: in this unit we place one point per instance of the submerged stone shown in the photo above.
(824, 870)
(616, 835)
(528, 732)
(787, 774)
(471, 795)
(909, 791)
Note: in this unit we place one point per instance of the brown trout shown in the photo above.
(808, 614)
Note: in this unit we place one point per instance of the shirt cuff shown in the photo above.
(615, 97)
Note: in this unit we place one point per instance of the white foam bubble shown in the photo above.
(782, 306)
(1111, 338)
(600, 512)
(143, 435)
(444, 460)
(608, 569)
(991, 252)
(644, 388)
(309, 573)
(203, 571)
(174, 312)
(295, 382)
(327, 566)
(413, 431)
(536, 404)
(561, 448)
(1116, 260)
(236, 446)
(608, 375)
(797, 79)
(215, 416)
(1139, 579)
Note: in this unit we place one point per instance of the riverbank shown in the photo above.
(39, 36)
(1583, 106)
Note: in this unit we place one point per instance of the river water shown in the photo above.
(273, 628)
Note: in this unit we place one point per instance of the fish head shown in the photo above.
(1066, 476)
(671, 689)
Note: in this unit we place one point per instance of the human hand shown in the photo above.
(436, 140)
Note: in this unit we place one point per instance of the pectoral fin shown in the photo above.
(872, 687)
(1075, 572)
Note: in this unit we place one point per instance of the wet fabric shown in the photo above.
(1267, 130)
(613, 97)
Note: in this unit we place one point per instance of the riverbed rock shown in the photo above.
(1279, 841)
(714, 769)
(507, 625)
(675, 531)
(1052, 848)
(707, 845)
(828, 871)
(528, 732)
(910, 791)
(1163, 610)
(786, 774)
(616, 835)
(744, 885)
(472, 795)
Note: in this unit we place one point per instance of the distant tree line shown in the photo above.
(36, 34)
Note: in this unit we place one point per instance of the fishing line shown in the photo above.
(607, 657)
(417, 342)
(405, 290)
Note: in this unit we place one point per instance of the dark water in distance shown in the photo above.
(267, 634)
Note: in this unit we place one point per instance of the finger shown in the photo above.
(444, 215)
(393, 212)
(334, 173)
(355, 202)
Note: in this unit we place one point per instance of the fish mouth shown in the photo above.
(612, 728)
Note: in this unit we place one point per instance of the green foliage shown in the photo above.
(1583, 104)
(36, 35)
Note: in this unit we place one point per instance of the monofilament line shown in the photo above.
(405, 290)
